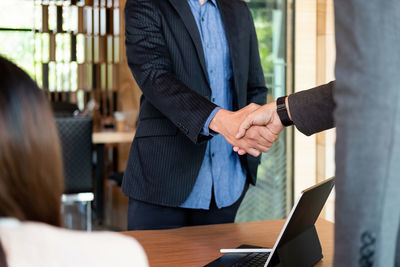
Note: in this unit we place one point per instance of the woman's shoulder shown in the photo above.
(38, 242)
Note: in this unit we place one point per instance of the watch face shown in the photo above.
(281, 107)
(280, 104)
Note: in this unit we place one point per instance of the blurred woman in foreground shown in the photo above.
(31, 185)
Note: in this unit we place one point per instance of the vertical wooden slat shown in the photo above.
(325, 73)
(81, 23)
(59, 26)
(52, 47)
(81, 76)
(73, 47)
(73, 98)
(305, 77)
(110, 20)
(45, 18)
(89, 3)
(45, 76)
(102, 49)
(289, 90)
(320, 77)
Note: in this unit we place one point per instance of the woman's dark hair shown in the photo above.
(31, 181)
(3, 259)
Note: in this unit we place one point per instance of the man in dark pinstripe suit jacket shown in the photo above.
(167, 45)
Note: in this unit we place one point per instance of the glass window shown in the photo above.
(16, 14)
(18, 47)
(16, 35)
(270, 198)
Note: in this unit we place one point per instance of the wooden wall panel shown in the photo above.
(305, 77)
(314, 65)
(325, 73)
(77, 41)
(129, 92)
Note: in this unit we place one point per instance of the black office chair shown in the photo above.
(76, 142)
(64, 109)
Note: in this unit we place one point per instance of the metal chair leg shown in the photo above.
(88, 216)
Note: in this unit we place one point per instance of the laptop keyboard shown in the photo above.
(252, 260)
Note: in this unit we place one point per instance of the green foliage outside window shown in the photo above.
(16, 36)
(264, 35)
(18, 46)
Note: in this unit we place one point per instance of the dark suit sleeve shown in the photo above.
(150, 63)
(312, 110)
(256, 89)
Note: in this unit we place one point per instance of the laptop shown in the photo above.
(298, 244)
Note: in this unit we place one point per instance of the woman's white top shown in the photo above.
(31, 244)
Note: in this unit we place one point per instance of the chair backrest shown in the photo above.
(64, 109)
(76, 143)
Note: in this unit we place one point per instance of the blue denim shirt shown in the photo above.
(221, 169)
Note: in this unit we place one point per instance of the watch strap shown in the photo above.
(282, 111)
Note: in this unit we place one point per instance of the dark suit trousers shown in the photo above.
(147, 216)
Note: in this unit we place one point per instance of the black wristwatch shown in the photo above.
(282, 111)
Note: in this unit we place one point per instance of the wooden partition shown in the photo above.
(80, 54)
(326, 55)
(305, 78)
(314, 65)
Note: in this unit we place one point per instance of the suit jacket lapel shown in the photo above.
(184, 11)
(231, 29)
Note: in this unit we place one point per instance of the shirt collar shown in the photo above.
(212, 1)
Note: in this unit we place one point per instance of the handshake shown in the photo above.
(252, 129)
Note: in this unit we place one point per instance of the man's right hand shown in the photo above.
(265, 117)
(227, 124)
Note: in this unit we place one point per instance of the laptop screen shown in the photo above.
(303, 215)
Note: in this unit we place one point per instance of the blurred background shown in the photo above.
(75, 51)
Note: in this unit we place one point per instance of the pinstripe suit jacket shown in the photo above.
(166, 57)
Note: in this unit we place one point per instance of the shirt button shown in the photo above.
(202, 19)
(213, 99)
(212, 155)
(211, 71)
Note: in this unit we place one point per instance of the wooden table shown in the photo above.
(100, 139)
(112, 137)
(199, 245)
